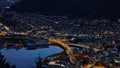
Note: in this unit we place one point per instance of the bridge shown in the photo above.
(79, 45)
(66, 47)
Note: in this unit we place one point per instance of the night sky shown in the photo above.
(85, 8)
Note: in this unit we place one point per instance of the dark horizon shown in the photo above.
(82, 8)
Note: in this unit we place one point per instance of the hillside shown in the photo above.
(84, 8)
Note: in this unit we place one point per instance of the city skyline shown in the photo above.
(59, 34)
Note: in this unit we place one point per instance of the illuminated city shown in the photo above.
(40, 36)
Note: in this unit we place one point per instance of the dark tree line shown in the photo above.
(4, 64)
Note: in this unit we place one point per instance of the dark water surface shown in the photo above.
(23, 58)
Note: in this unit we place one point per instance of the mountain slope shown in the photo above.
(91, 8)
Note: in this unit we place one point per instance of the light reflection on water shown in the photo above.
(23, 58)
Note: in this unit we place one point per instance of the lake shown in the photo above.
(23, 58)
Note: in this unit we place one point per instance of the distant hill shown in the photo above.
(84, 8)
(7, 3)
